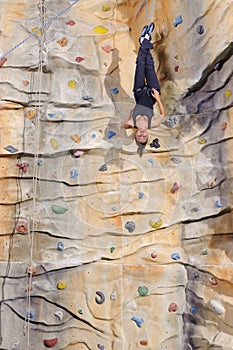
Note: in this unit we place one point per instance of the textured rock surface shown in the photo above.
(75, 274)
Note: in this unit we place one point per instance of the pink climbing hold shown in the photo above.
(70, 22)
(79, 59)
(173, 307)
(153, 255)
(23, 166)
(175, 187)
(107, 48)
(2, 61)
(21, 227)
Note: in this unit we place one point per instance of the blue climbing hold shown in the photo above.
(151, 161)
(175, 256)
(140, 195)
(114, 208)
(193, 309)
(114, 91)
(178, 21)
(93, 136)
(73, 173)
(176, 160)
(103, 167)
(11, 149)
(101, 347)
(60, 245)
(218, 203)
(111, 134)
(200, 29)
(30, 315)
(138, 321)
(52, 115)
(130, 226)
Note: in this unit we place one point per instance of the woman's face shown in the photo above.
(141, 136)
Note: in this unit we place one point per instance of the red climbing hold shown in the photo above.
(70, 22)
(173, 307)
(21, 227)
(176, 68)
(49, 343)
(23, 166)
(175, 187)
(223, 126)
(79, 59)
(2, 61)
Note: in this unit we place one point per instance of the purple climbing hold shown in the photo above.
(114, 91)
(195, 274)
(130, 226)
(138, 321)
(175, 256)
(200, 29)
(111, 134)
(103, 167)
(155, 143)
(218, 66)
(11, 149)
(178, 21)
(101, 347)
(73, 173)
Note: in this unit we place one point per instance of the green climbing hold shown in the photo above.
(112, 249)
(57, 209)
(143, 290)
(80, 311)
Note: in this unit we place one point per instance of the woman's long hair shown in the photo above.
(141, 147)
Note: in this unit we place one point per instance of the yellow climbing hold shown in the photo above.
(106, 8)
(202, 141)
(61, 285)
(36, 30)
(228, 93)
(54, 143)
(154, 224)
(76, 138)
(30, 114)
(100, 30)
(72, 84)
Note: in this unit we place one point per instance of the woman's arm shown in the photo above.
(129, 122)
(158, 121)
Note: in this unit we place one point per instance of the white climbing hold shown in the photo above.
(59, 315)
(216, 307)
(113, 295)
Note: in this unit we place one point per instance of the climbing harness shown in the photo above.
(38, 30)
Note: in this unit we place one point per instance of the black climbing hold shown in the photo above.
(155, 143)
(103, 167)
(130, 226)
(200, 29)
(218, 66)
(101, 297)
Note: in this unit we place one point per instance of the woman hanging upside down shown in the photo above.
(146, 92)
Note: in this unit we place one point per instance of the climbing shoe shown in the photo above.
(144, 31)
(149, 31)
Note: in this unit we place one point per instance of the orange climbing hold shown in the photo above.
(223, 126)
(25, 82)
(62, 42)
(76, 138)
(30, 114)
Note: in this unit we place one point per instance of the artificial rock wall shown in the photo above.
(101, 249)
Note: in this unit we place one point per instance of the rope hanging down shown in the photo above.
(38, 30)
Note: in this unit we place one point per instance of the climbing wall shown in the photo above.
(99, 248)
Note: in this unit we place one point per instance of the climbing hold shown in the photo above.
(216, 307)
(195, 209)
(52, 115)
(107, 48)
(62, 42)
(72, 83)
(70, 22)
(130, 226)
(100, 30)
(59, 314)
(140, 195)
(60, 245)
(77, 154)
(73, 173)
(30, 114)
(28, 289)
(25, 82)
(175, 187)
(200, 29)
(176, 68)
(195, 274)
(101, 298)
(143, 342)
(155, 143)
(173, 307)
(212, 182)
(138, 321)
(114, 90)
(113, 295)
(228, 93)
(54, 143)
(2, 61)
(11, 149)
(202, 141)
(178, 21)
(153, 255)
(31, 270)
(21, 227)
(204, 252)
(76, 138)
(57, 209)
(103, 167)
(87, 98)
(151, 161)
(39, 162)
(106, 8)
(142, 291)
(223, 126)
(36, 30)
(111, 134)
(218, 203)
(80, 311)
(193, 309)
(93, 136)
(23, 167)
(213, 280)
(114, 208)
(30, 315)
(49, 343)
(176, 160)
(175, 256)
(112, 249)
(61, 285)
(101, 347)
(79, 59)
(155, 224)
(163, 76)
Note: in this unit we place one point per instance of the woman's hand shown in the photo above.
(155, 94)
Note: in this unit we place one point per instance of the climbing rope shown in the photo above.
(38, 30)
(147, 12)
